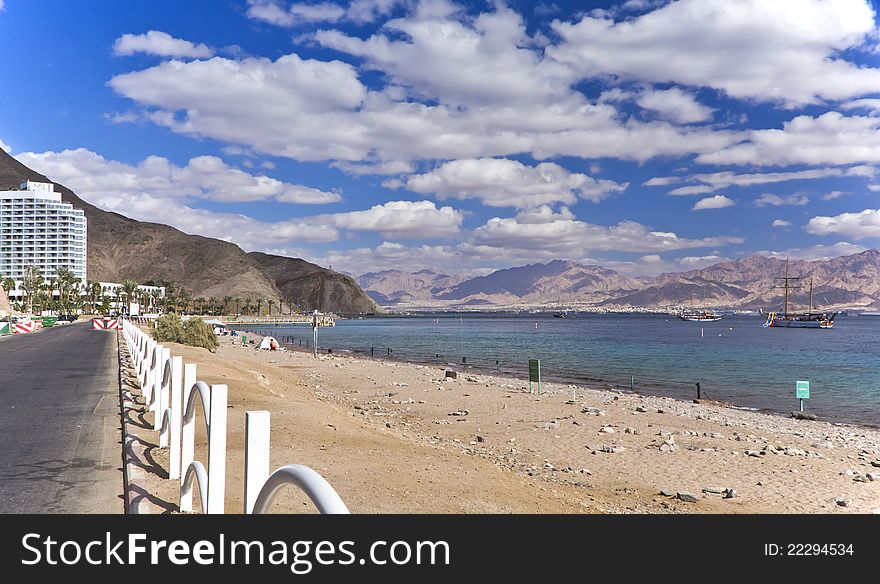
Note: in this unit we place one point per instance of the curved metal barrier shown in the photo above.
(171, 390)
(311, 483)
(260, 487)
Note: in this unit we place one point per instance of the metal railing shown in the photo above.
(171, 390)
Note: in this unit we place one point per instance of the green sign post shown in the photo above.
(535, 374)
(802, 391)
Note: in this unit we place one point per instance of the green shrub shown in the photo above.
(194, 332)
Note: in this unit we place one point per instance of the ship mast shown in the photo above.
(785, 285)
(810, 310)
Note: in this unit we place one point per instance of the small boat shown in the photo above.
(705, 316)
(562, 314)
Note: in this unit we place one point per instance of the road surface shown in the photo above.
(60, 446)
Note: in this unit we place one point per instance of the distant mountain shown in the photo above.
(396, 286)
(750, 283)
(120, 248)
(556, 280)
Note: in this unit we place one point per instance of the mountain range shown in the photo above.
(851, 281)
(120, 247)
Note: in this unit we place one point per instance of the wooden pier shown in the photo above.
(292, 319)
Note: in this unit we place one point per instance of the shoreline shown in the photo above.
(593, 385)
(621, 449)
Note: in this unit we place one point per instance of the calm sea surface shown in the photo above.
(735, 359)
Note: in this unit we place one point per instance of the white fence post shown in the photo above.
(217, 449)
(176, 416)
(164, 397)
(256, 456)
(188, 438)
(156, 387)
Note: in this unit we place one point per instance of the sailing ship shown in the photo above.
(704, 316)
(809, 319)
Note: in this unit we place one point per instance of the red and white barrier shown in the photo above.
(25, 327)
(106, 324)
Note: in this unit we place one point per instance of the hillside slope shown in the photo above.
(120, 248)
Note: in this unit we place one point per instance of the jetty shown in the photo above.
(290, 319)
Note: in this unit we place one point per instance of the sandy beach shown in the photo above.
(402, 438)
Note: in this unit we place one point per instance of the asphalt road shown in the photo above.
(60, 446)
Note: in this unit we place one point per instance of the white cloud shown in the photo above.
(451, 60)
(2, 5)
(779, 51)
(549, 235)
(314, 110)
(722, 180)
(280, 13)
(715, 202)
(510, 183)
(675, 105)
(781, 223)
(769, 199)
(397, 256)
(855, 225)
(654, 264)
(401, 219)
(872, 105)
(830, 138)
(5, 147)
(162, 44)
(817, 252)
(99, 180)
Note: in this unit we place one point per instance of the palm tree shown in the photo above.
(225, 303)
(94, 291)
(271, 303)
(67, 284)
(237, 305)
(259, 306)
(31, 284)
(129, 290)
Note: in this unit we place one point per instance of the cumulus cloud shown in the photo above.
(561, 235)
(5, 147)
(860, 225)
(402, 219)
(161, 44)
(722, 180)
(787, 52)
(282, 13)
(831, 138)
(715, 202)
(510, 183)
(654, 264)
(781, 223)
(99, 180)
(309, 109)
(769, 199)
(675, 105)
(817, 252)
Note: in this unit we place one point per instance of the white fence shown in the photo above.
(172, 390)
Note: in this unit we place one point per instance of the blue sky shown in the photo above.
(644, 135)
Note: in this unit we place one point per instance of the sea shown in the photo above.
(735, 360)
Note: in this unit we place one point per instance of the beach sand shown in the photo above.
(400, 438)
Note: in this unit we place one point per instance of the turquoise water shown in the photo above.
(735, 359)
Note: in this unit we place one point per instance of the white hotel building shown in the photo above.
(38, 228)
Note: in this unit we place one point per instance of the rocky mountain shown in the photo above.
(396, 286)
(750, 283)
(120, 248)
(308, 285)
